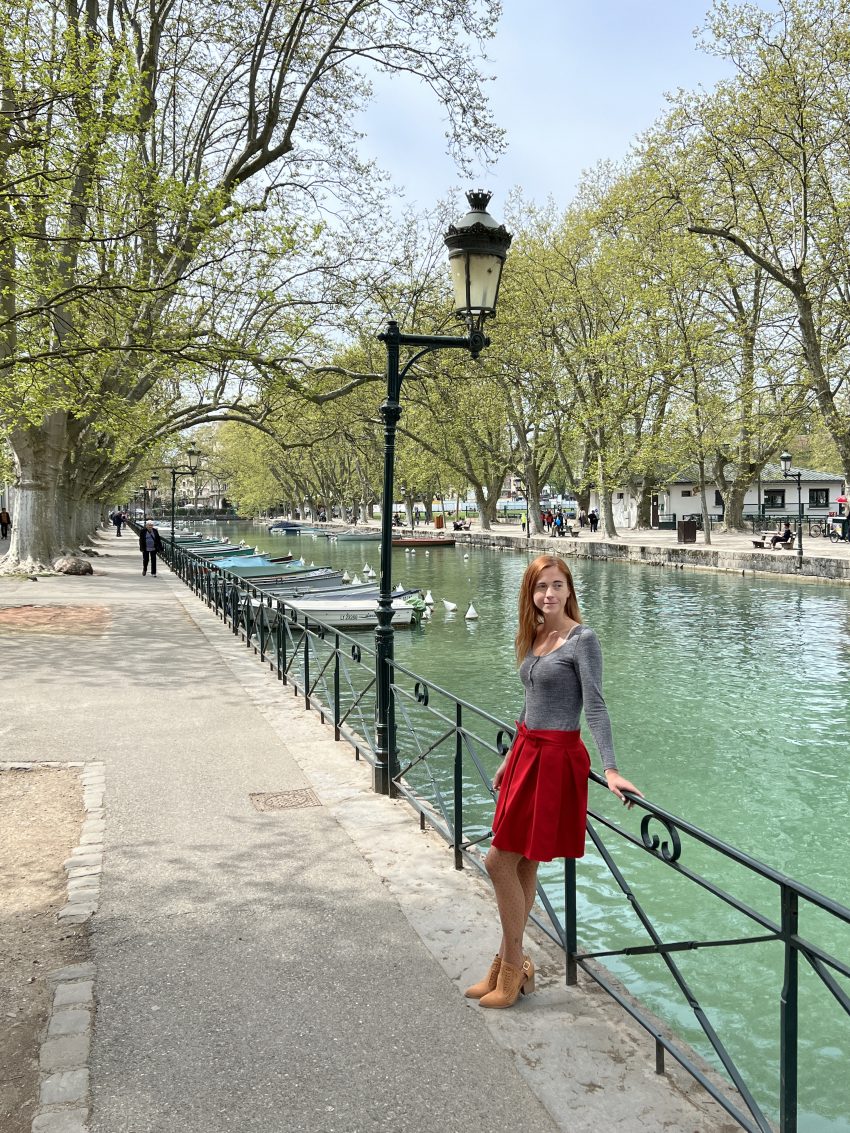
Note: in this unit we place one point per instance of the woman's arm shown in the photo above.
(589, 664)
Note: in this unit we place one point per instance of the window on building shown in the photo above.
(774, 498)
(818, 497)
(685, 492)
(621, 495)
(718, 499)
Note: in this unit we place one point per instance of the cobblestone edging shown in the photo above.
(63, 1098)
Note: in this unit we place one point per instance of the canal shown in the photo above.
(729, 698)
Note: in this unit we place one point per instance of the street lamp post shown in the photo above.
(192, 457)
(148, 486)
(523, 484)
(477, 245)
(785, 461)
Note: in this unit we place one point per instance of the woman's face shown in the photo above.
(551, 591)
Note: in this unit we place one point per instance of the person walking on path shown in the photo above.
(593, 519)
(541, 811)
(150, 544)
(118, 520)
(5, 523)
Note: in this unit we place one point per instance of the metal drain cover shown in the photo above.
(285, 800)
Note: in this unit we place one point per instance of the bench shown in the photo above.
(759, 543)
(791, 545)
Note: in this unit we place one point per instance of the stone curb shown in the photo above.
(720, 558)
(63, 1097)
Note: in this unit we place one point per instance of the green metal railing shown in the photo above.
(446, 748)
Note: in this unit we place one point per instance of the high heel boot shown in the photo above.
(511, 983)
(489, 981)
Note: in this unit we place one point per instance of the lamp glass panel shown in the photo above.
(484, 273)
(457, 267)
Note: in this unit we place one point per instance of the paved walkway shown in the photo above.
(299, 970)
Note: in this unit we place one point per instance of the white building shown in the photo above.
(771, 496)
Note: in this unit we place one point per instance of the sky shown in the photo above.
(576, 81)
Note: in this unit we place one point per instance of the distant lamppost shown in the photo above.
(522, 483)
(192, 458)
(785, 461)
(477, 246)
(154, 483)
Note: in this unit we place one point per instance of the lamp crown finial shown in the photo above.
(478, 199)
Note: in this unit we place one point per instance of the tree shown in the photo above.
(761, 165)
(168, 252)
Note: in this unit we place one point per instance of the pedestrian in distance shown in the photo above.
(541, 813)
(5, 523)
(593, 520)
(118, 520)
(582, 518)
(150, 544)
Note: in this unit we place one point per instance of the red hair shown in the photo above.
(529, 616)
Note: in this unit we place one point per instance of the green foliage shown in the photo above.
(184, 212)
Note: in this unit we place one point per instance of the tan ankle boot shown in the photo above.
(512, 982)
(488, 983)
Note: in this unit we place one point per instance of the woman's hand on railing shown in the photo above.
(497, 778)
(617, 783)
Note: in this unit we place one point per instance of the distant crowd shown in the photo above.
(555, 522)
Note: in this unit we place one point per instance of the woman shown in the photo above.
(542, 782)
(150, 544)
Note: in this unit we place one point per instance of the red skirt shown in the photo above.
(541, 812)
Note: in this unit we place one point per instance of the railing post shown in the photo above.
(570, 921)
(306, 664)
(788, 1017)
(266, 603)
(336, 688)
(458, 788)
(282, 613)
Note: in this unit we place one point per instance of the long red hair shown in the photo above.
(529, 616)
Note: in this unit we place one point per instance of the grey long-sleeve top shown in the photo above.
(559, 684)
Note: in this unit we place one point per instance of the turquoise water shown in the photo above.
(729, 698)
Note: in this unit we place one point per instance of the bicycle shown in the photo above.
(829, 531)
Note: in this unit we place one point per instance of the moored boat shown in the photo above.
(225, 561)
(280, 586)
(356, 536)
(359, 613)
(423, 541)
